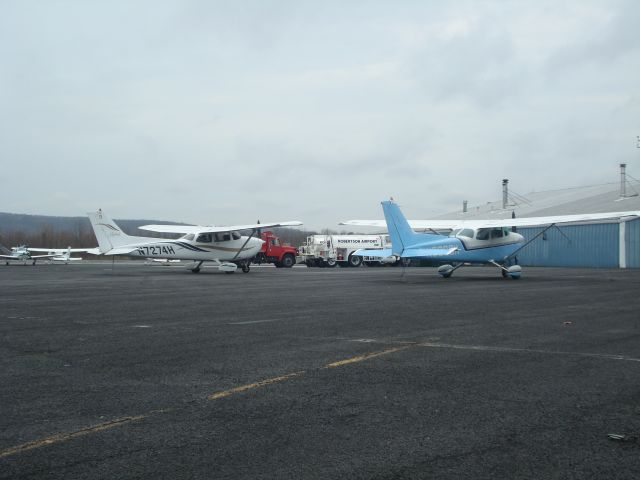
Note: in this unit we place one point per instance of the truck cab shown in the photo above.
(274, 251)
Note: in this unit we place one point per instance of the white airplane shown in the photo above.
(23, 254)
(471, 241)
(64, 254)
(224, 246)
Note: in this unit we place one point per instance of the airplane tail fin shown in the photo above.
(107, 232)
(401, 233)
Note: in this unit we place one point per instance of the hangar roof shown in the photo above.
(567, 201)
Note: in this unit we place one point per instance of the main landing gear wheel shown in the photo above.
(355, 261)
(196, 269)
(245, 268)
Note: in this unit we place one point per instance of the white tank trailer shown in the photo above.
(332, 250)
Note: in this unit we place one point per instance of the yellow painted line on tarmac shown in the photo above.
(252, 386)
(367, 356)
(63, 437)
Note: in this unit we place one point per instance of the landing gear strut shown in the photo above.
(196, 269)
(447, 270)
(514, 271)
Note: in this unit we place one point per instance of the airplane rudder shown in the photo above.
(108, 233)
(396, 238)
(400, 222)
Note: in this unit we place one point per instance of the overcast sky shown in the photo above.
(228, 112)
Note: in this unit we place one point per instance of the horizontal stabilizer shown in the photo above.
(427, 252)
(121, 251)
(363, 252)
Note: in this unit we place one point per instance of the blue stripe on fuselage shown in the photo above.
(476, 255)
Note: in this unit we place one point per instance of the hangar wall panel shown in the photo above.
(577, 246)
(632, 239)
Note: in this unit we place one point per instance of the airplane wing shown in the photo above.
(210, 229)
(507, 222)
(9, 256)
(415, 224)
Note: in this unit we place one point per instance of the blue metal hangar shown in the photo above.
(606, 244)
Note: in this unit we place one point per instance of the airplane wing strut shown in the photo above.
(536, 236)
(244, 244)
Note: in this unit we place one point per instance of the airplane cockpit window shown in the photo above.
(466, 232)
(506, 231)
(496, 233)
(236, 235)
(454, 233)
(226, 236)
(204, 238)
(189, 237)
(483, 234)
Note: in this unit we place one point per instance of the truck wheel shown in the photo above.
(288, 261)
(278, 264)
(355, 260)
(331, 263)
(308, 263)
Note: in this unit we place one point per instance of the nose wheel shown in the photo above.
(245, 268)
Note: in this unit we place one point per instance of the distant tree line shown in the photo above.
(76, 232)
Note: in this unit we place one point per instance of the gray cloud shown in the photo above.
(220, 112)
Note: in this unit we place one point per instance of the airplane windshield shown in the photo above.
(188, 237)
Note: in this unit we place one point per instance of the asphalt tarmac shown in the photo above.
(132, 371)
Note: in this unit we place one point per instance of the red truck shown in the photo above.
(282, 256)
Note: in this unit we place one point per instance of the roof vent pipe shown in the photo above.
(505, 192)
(623, 180)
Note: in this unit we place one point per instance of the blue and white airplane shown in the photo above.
(470, 242)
